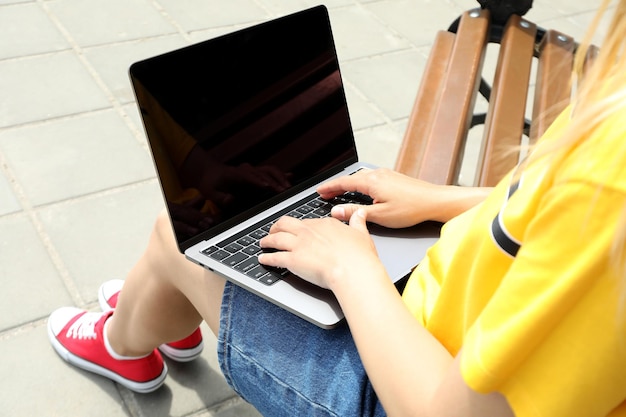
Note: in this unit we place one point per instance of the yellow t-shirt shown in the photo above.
(526, 286)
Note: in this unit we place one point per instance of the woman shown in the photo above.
(517, 310)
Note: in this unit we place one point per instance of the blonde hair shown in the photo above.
(602, 89)
(600, 93)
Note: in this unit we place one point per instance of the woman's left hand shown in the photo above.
(322, 251)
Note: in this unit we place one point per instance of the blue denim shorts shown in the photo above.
(285, 366)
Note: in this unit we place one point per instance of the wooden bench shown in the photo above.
(445, 110)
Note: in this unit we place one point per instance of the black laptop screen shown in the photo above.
(236, 121)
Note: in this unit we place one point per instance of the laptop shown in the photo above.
(242, 128)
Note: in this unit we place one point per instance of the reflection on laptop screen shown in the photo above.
(237, 120)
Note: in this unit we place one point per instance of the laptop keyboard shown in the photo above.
(241, 250)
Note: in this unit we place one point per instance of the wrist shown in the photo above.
(343, 281)
(453, 200)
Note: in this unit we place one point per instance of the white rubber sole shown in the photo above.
(140, 387)
(182, 355)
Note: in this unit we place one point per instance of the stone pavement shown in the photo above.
(78, 193)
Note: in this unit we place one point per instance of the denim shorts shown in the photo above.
(285, 366)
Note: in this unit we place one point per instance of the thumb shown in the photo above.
(344, 212)
(358, 219)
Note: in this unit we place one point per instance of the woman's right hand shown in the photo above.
(399, 200)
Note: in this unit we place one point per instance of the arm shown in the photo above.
(410, 370)
(402, 201)
(412, 373)
(418, 377)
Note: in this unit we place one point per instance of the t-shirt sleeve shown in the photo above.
(551, 339)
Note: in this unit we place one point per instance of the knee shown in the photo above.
(162, 222)
(162, 249)
(163, 235)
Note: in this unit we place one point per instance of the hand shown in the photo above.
(402, 201)
(399, 200)
(322, 251)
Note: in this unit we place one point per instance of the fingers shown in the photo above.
(287, 232)
(338, 186)
(282, 242)
(285, 224)
(310, 248)
(281, 233)
(358, 220)
(282, 237)
(343, 212)
(373, 213)
(277, 239)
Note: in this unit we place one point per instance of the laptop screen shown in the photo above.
(239, 121)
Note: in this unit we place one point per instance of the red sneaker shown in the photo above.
(77, 336)
(183, 350)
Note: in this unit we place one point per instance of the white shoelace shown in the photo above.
(84, 327)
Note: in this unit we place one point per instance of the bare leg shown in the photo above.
(165, 297)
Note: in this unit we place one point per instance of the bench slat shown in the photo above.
(445, 141)
(553, 85)
(411, 152)
(504, 125)
(434, 143)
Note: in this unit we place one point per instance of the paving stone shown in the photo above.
(280, 7)
(379, 145)
(36, 382)
(8, 200)
(96, 23)
(200, 14)
(25, 30)
(390, 80)
(67, 158)
(32, 285)
(112, 61)
(46, 86)
(418, 21)
(358, 33)
(101, 237)
(363, 112)
(191, 387)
